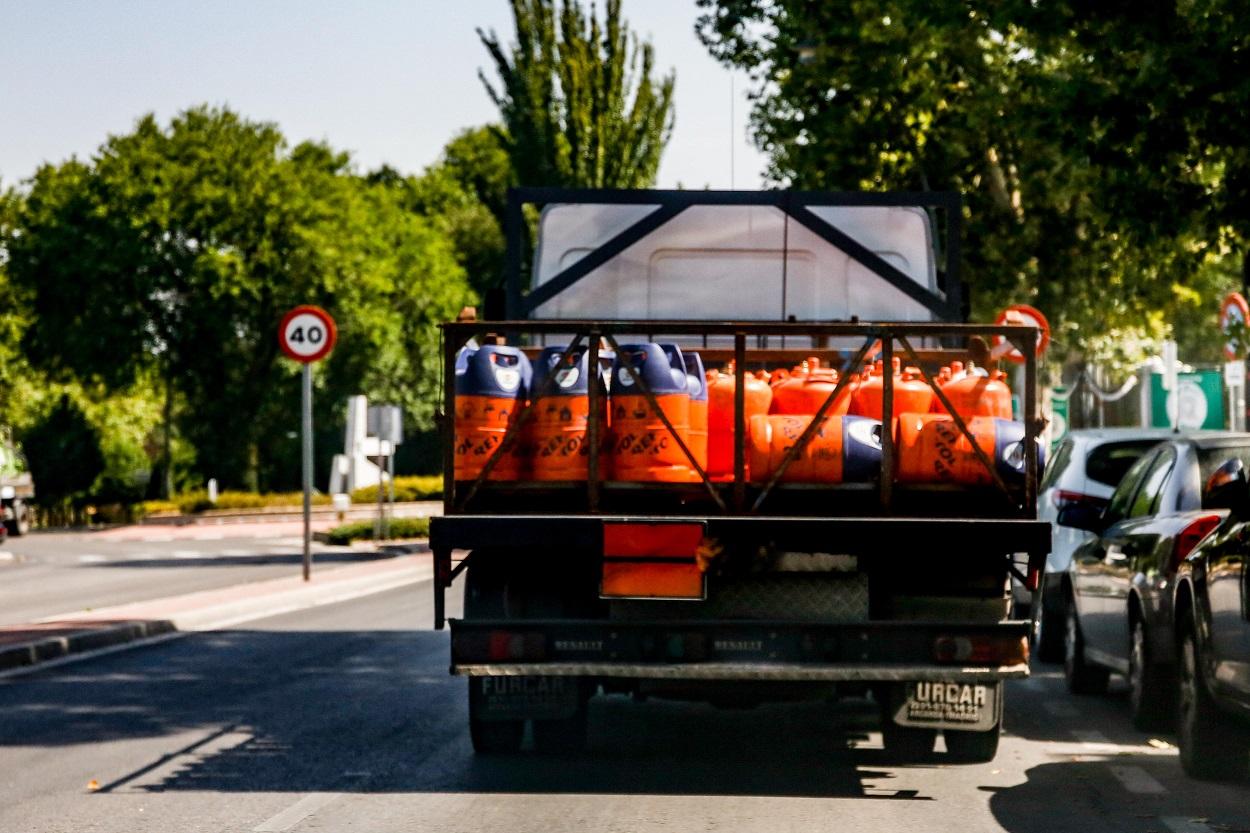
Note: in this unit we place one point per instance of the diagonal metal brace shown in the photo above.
(958, 420)
(806, 437)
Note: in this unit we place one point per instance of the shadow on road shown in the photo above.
(375, 711)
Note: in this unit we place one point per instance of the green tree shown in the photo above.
(1083, 140)
(63, 451)
(577, 99)
(174, 253)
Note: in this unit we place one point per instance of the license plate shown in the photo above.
(944, 705)
(518, 698)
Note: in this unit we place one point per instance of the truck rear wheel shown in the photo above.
(906, 744)
(567, 734)
(972, 747)
(491, 737)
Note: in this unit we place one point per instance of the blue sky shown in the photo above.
(390, 81)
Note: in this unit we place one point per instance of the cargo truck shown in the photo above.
(787, 568)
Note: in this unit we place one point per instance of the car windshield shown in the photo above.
(1108, 462)
(1209, 459)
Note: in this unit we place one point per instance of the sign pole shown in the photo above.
(306, 419)
(306, 335)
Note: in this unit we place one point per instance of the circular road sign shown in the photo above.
(1234, 312)
(1023, 315)
(307, 334)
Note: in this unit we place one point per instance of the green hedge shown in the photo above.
(416, 487)
(363, 530)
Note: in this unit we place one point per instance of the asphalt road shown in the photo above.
(344, 718)
(48, 574)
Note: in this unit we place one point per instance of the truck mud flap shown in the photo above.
(938, 704)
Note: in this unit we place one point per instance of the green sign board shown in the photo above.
(1059, 397)
(1201, 400)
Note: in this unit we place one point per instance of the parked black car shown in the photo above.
(1212, 627)
(1119, 585)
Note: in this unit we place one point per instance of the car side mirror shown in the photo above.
(1081, 516)
(1228, 488)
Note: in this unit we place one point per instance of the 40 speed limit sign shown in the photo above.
(307, 334)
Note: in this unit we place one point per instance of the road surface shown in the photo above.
(343, 718)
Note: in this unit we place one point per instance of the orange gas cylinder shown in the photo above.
(912, 393)
(979, 394)
(931, 449)
(720, 416)
(491, 386)
(805, 391)
(561, 387)
(778, 376)
(943, 376)
(642, 447)
(844, 449)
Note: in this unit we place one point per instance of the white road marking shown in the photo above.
(1184, 824)
(297, 812)
(212, 536)
(1061, 708)
(1137, 780)
(7, 556)
(187, 554)
(91, 558)
(235, 553)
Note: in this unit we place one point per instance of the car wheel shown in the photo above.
(972, 747)
(1212, 747)
(1081, 677)
(1151, 688)
(1047, 630)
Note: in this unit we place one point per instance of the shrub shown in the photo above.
(414, 487)
(363, 530)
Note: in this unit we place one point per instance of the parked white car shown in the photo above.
(1085, 468)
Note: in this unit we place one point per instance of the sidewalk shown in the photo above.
(30, 644)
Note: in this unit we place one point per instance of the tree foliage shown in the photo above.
(63, 451)
(577, 98)
(173, 253)
(1093, 144)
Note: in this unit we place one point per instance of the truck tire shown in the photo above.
(486, 597)
(567, 735)
(1152, 688)
(1212, 747)
(491, 737)
(972, 747)
(906, 744)
(1081, 677)
(20, 525)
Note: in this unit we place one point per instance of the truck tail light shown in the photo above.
(1191, 536)
(982, 650)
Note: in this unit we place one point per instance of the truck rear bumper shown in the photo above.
(772, 672)
(875, 651)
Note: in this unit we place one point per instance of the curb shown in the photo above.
(55, 647)
(206, 611)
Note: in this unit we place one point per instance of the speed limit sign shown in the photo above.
(307, 334)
